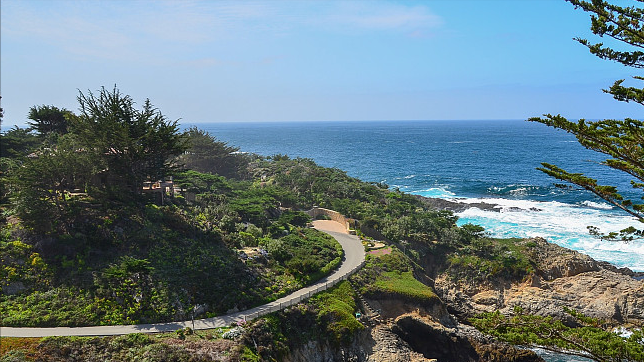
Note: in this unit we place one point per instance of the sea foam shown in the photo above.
(561, 223)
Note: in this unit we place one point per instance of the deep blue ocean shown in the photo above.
(493, 161)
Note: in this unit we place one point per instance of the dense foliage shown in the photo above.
(233, 236)
(391, 275)
(133, 145)
(485, 258)
(81, 244)
(207, 154)
(588, 338)
(49, 119)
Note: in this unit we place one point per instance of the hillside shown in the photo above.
(98, 233)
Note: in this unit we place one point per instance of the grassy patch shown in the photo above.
(404, 284)
(392, 275)
(336, 308)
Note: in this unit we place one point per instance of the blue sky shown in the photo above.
(211, 61)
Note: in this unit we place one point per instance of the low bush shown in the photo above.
(336, 312)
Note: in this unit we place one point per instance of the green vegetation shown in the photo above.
(208, 155)
(83, 242)
(131, 347)
(486, 258)
(304, 254)
(391, 275)
(618, 139)
(403, 283)
(335, 310)
(588, 338)
(46, 120)
(327, 316)
(83, 245)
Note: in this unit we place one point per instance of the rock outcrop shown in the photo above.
(412, 333)
(374, 344)
(407, 331)
(563, 278)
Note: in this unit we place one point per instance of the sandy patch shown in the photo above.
(329, 225)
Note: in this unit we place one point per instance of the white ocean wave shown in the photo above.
(597, 205)
(561, 223)
(435, 192)
(518, 191)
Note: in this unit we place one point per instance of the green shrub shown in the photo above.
(296, 218)
(336, 312)
(308, 255)
(484, 258)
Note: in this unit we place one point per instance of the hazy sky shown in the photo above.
(212, 61)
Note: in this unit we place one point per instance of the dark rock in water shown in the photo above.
(456, 206)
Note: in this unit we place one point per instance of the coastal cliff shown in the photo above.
(241, 243)
(560, 278)
(412, 333)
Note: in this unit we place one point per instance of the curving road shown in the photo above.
(354, 256)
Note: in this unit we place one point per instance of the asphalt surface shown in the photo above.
(353, 258)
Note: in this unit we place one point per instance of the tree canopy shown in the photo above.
(207, 154)
(135, 144)
(48, 119)
(621, 140)
(110, 148)
(589, 339)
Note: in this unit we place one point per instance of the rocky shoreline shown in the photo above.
(457, 206)
(562, 278)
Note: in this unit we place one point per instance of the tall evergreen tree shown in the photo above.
(621, 140)
(48, 119)
(207, 154)
(45, 181)
(136, 144)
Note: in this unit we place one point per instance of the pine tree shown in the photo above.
(621, 140)
(48, 119)
(136, 145)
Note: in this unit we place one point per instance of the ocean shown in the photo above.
(471, 161)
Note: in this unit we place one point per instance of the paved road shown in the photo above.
(353, 259)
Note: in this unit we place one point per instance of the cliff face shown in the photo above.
(374, 344)
(411, 332)
(406, 331)
(562, 278)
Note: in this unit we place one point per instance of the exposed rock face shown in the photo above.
(433, 340)
(414, 334)
(461, 343)
(371, 345)
(563, 278)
